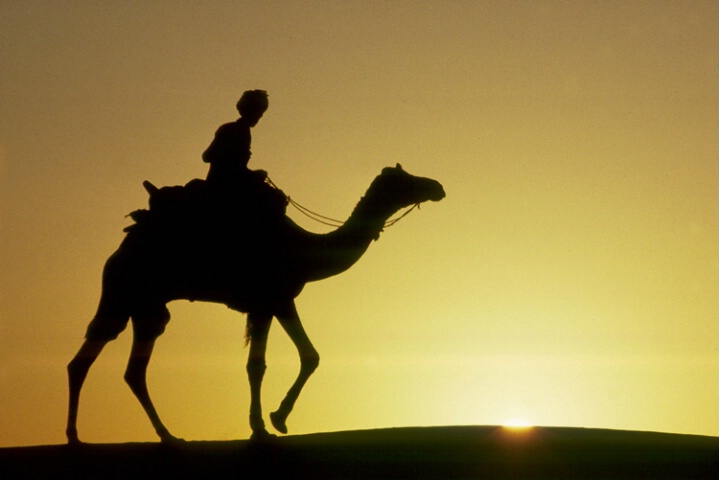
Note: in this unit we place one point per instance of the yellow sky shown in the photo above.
(569, 278)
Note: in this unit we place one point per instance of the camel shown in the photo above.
(259, 272)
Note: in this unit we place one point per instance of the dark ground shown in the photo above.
(402, 453)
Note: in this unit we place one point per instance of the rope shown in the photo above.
(329, 221)
(332, 222)
(392, 221)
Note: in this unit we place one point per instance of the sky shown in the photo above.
(569, 278)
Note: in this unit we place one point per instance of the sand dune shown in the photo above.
(402, 453)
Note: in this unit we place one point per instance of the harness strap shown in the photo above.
(329, 221)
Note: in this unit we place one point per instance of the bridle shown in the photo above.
(329, 221)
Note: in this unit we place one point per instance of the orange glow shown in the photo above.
(570, 277)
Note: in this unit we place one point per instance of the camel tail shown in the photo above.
(248, 330)
(251, 326)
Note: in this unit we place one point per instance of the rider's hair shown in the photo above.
(252, 101)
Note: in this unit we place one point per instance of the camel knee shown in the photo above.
(79, 366)
(131, 380)
(130, 377)
(256, 368)
(135, 376)
(310, 362)
(77, 371)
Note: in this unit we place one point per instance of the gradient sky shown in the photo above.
(569, 278)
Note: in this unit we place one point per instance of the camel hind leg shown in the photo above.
(146, 329)
(77, 372)
(108, 323)
(136, 378)
(259, 327)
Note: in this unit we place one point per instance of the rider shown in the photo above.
(229, 152)
(230, 186)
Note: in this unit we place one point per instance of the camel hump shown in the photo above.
(151, 189)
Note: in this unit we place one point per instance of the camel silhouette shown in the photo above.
(260, 272)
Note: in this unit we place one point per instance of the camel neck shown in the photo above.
(339, 250)
(367, 219)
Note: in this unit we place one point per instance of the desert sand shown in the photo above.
(402, 453)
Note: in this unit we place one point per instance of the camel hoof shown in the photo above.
(74, 442)
(72, 438)
(278, 421)
(262, 436)
(171, 440)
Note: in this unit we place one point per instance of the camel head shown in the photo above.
(398, 189)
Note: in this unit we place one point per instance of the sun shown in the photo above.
(517, 423)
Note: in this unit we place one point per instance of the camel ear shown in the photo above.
(398, 167)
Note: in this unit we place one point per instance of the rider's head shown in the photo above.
(252, 105)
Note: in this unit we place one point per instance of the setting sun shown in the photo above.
(517, 423)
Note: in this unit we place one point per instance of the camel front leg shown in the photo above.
(256, 366)
(309, 359)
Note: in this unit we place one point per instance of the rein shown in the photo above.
(329, 221)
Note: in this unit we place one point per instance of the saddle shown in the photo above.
(200, 204)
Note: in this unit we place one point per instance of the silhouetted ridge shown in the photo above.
(401, 453)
